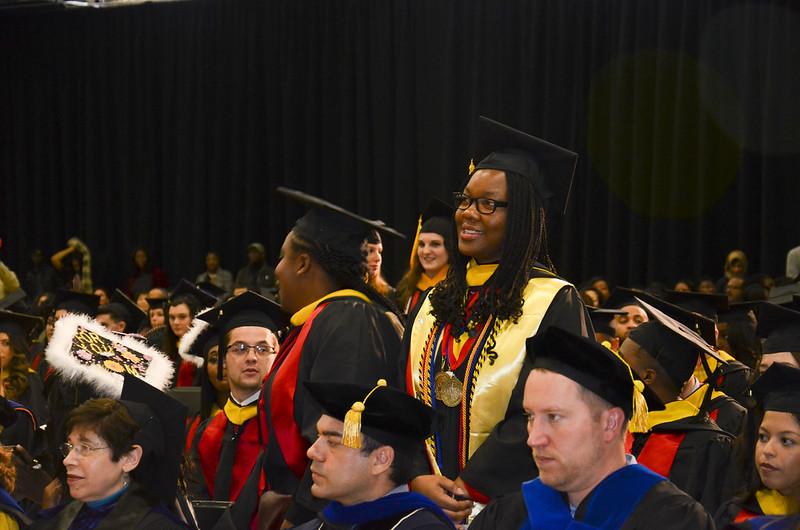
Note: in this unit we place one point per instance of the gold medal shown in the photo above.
(448, 388)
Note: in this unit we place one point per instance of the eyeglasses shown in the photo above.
(486, 206)
(240, 348)
(81, 449)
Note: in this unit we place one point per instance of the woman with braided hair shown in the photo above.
(466, 342)
(341, 330)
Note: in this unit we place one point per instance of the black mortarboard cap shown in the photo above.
(136, 317)
(19, 324)
(739, 312)
(187, 288)
(780, 327)
(602, 318)
(162, 422)
(388, 415)
(778, 389)
(213, 290)
(549, 166)
(674, 345)
(438, 218)
(156, 303)
(329, 224)
(588, 363)
(247, 309)
(708, 305)
(75, 302)
(703, 326)
(622, 297)
(783, 294)
(12, 298)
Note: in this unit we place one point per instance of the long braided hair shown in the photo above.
(344, 271)
(525, 244)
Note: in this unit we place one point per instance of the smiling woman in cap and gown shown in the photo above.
(466, 342)
(430, 255)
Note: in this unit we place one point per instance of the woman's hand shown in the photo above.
(443, 492)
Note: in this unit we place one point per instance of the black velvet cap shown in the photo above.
(332, 225)
(18, 324)
(549, 166)
(390, 416)
(622, 297)
(75, 302)
(675, 346)
(247, 309)
(586, 362)
(162, 422)
(780, 327)
(708, 305)
(703, 326)
(187, 288)
(135, 316)
(778, 389)
(601, 319)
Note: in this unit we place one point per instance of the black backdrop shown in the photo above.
(170, 125)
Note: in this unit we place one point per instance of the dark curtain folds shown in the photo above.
(170, 125)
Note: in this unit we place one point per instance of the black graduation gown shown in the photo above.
(663, 507)
(734, 380)
(349, 340)
(734, 509)
(503, 461)
(701, 461)
(133, 511)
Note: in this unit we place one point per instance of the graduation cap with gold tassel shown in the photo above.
(385, 414)
(594, 367)
(436, 218)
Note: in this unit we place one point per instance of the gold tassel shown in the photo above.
(471, 166)
(639, 412)
(351, 433)
(415, 246)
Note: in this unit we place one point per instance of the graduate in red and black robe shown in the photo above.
(227, 446)
(682, 443)
(342, 330)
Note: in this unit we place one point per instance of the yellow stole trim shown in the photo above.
(696, 397)
(479, 274)
(493, 383)
(238, 415)
(773, 503)
(700, 371)
(426, 282)
(299, 318)
(675, 410)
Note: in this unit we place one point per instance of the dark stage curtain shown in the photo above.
(170, 125)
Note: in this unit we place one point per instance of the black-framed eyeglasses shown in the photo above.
(81, 449)
(484, 205)
(240, 348)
